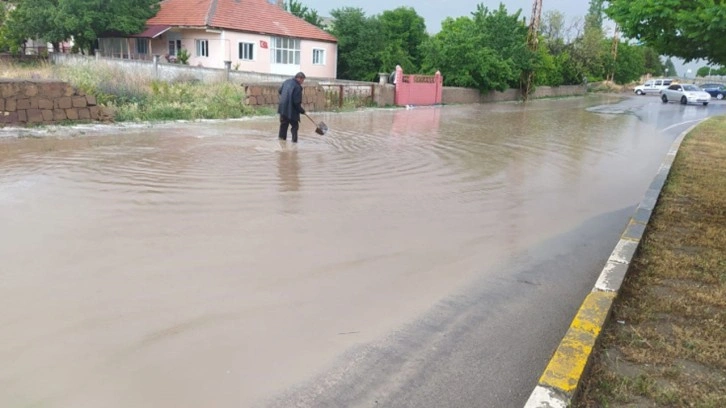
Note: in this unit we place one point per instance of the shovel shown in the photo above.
(320, 128)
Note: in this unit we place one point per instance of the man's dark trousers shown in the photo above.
(294, 125)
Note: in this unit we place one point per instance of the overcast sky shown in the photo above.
(435, 11)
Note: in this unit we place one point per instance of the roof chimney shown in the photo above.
(281, 4)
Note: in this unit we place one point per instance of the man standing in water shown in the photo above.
(290, 106)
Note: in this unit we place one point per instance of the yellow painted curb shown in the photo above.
(570, 359)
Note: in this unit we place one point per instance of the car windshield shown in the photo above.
(691, 88)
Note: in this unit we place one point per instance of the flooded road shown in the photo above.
(206, 264)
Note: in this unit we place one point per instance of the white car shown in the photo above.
(652, 86)
(685, 93)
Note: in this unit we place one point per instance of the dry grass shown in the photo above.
(137, 96)
(665, 344)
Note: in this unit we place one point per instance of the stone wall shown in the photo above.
(24, 102)
(265, 95)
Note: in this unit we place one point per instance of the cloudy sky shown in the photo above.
(435, 11)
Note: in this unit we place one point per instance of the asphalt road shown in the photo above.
(487, 344)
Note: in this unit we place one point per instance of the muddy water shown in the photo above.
(183, 264)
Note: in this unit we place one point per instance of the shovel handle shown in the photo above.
(311, 119)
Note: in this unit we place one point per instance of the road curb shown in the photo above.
(559, 383)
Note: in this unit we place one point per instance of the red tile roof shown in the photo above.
(152, 31)
(257, 16)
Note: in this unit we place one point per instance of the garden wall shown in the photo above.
(468, 95)
(265, 95)
(24, 102)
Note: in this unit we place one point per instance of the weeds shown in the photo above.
(136, 96)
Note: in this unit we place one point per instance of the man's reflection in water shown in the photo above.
(288, 168)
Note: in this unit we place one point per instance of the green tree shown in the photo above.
(686, 29)
(630, 64)
(506, 34)
(670, 69)
(86, 20)
(402, 31)
(464, 58)
(33, 19)
(359, 38)
(589, 48)
(83, 20)
(552, 29)
(653, 64)
(297, 9)
(709, 70)
(549, 72)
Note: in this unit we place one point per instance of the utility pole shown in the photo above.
(533, 45)
(614, 52)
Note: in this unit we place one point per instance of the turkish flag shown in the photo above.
(263, 44)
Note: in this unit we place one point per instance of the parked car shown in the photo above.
(716, 90)
(653, 86)
(685, 93)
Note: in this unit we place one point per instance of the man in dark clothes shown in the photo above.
(290, 106)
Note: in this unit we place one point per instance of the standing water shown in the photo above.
(189, 264)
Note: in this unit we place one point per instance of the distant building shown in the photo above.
(255, 35)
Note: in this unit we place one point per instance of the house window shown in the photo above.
(318, 56)
(142, 46)
(246, 51)
(202, 48)
(285, 51)
(174, 47)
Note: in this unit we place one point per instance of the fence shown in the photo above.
(348, 95)
(418, 89)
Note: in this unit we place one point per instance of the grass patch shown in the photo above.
(671, 349)
(138, 97)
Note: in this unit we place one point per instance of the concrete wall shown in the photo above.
(454, 95)
(46, 102)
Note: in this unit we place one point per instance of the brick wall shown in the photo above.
(24, 102)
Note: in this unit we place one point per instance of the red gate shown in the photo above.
(418, 89)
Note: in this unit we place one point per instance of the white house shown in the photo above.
(254, 35)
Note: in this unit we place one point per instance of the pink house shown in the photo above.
(254, 35)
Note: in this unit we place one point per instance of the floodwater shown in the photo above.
(206, 264)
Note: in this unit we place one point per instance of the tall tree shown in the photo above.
(403, 31)
(359, 39)
(464, 59)
(670, 69)
(552, 28)
(652, 62)
(33, 19)
(485, 51)
(297, 9)
(86, 20)
(630, 62)
(686, 29)
(589, 49)
(82, 20)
